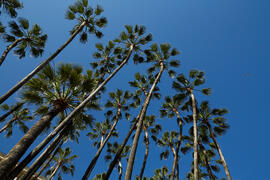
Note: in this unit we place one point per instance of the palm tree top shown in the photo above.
(10, 7)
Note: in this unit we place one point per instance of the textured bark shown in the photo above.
(7, 124)
(48, 162)
(55, 170)
(102, 145)
(146, 153)
(210, 174)
(12, 45)
(14, 155)
(15, 108)
(41, 66)
(219, 152)
(68, 119)
(42, 158)
(120, 170)
(172, 176)
(140, 125)
(195, 134)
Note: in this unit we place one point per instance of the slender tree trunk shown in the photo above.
(40, 160)
(120, 170)
(55, 170)
(14, 155)
(195, 134)
(146, 153)
(8, 123)
(219, 152)
(179, 140)
(210, 174)
(41, 66)
(15, 108)
(102, 145)
(174, 162)
(120, 150)
(48, 162)
(68, 119)
(140, 124)
(12, 45)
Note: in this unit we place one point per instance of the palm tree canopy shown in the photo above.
(10, 7)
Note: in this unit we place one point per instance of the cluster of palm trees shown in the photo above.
(61, 102)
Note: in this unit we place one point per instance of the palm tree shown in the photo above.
(170, 108)
(161, 174)
(19, 116)
(119, 102)
(160, 56)
(64, 162)
(10, 6)
(88, 19)
(112, 149)
(132, 40)
(185, 86)
(214, 117)
(9, 110)
(62, 90)
(24, 38)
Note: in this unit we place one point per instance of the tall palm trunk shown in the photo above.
(179, 140)
(195, 134)
(55, 170)
(219, 152)
(120, 150)
(102, 145)
(41, 66)
(15, 108)
(7, 124)
(140, 124)
(68, 119)
(120, 170)
(174, 162)
(146, 152)
(48, 162)
(210, 174)
(11, 46)
(14, 155)
(40, 160)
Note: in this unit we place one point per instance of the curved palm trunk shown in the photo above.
(41, 66)
(21, 147)
(40, 160)
(174, 162)
(140, 124)
(195, 134)
(219, 152)
(179, 140)
(48, 162)
(120, 150)
(55, 170)
(15, 108)
(11, 46)
(102, 145)
(146, 152)
(210, 174)
(7, 124)
(68, 119)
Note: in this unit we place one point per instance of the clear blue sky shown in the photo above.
(229, 40)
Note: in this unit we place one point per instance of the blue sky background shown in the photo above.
(229, 40)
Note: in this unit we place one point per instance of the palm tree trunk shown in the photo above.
(21, 147)
(210, 174)
(102, 145)
(219, 152)
(48, 162)
(120, 150)
(146, 153)
(41, 66)
(15, 108)
(140, 124)
(68, 119)
(179, 140)
(195, 134)
(120, 170)
(55, 170)
(12, 45)
(8, 123)
(40, 160)
(174, 162)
